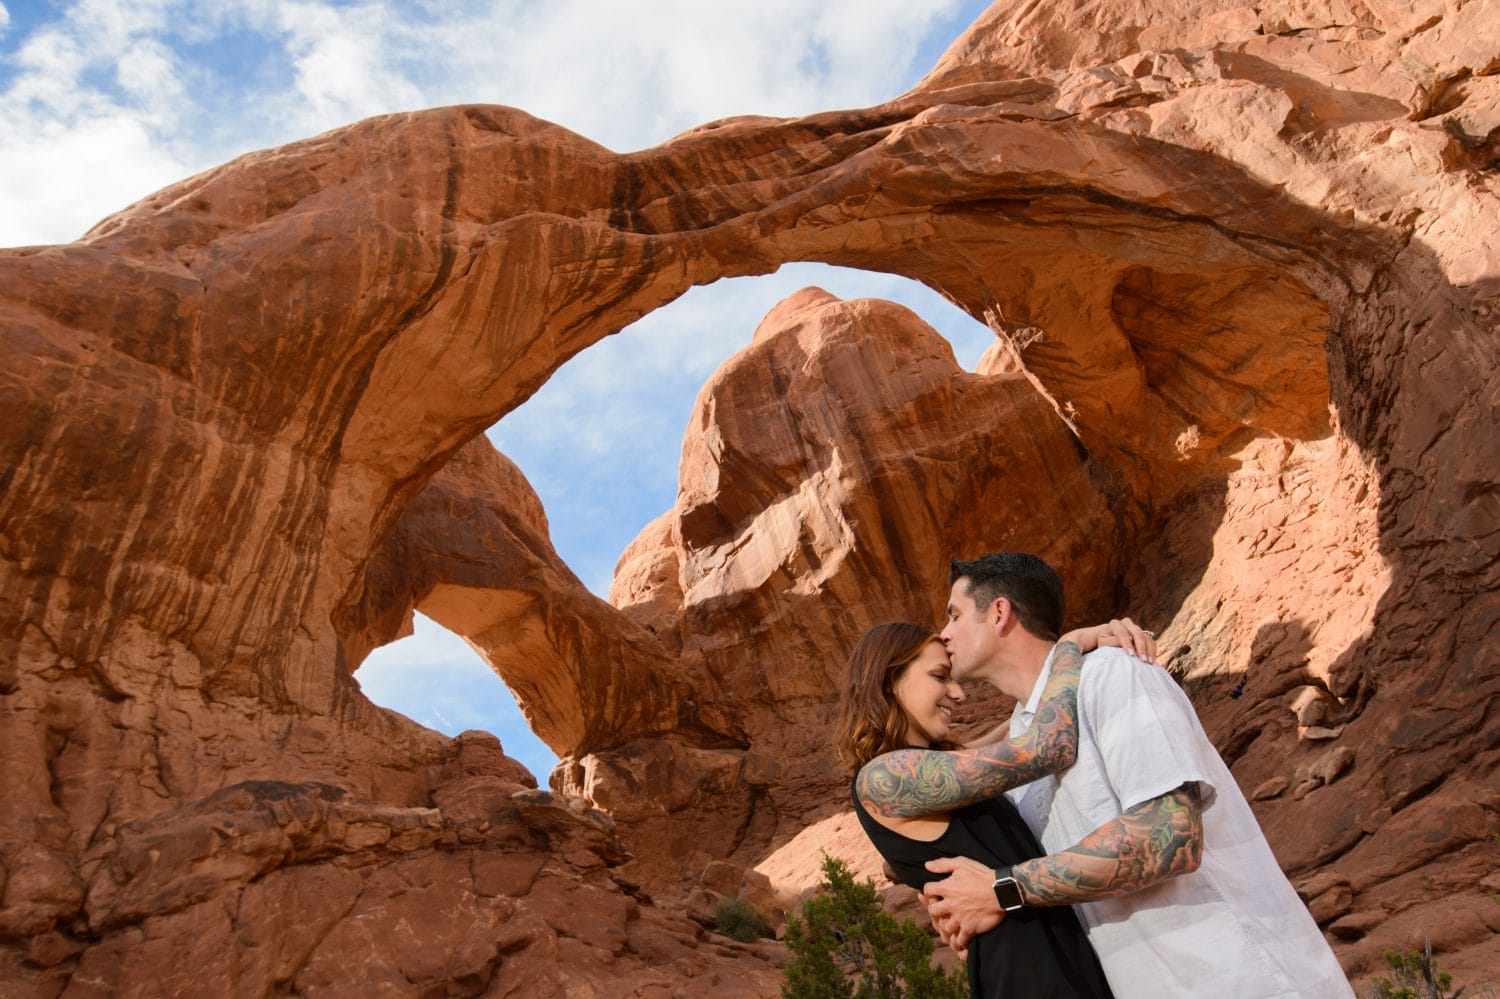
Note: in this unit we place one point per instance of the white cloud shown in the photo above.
(102, 162)
(623, 73)
(84, 114)
(49, 64)
(629, 74)
(147, 74)
(345, 66)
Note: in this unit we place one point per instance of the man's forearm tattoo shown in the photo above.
(1156, 841)
(912, 782)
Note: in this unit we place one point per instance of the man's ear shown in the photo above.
(1005, 615)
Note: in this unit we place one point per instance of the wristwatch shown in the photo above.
(1008, 891)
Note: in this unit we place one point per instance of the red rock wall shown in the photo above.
(1246, 260)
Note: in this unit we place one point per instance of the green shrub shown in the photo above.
(742, 921)
(1416, 977)
(844, 946)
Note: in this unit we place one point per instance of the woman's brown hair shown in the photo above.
(871, 722)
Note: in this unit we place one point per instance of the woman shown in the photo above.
(900, 694)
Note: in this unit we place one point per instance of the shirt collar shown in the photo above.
(1032, 702)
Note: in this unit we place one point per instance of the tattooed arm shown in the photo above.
(1152, 842)
(1122, 633)
(912, 782)
(1159, 839)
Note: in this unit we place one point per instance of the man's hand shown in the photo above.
(962, 904)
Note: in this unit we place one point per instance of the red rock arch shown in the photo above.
(226, 398)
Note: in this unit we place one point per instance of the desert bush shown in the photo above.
(1415, 975)
(844, 946)
(742, 921)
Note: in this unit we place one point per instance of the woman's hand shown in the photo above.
(1122, 633)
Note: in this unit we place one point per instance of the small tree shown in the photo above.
(844, 946)
(1417, 977)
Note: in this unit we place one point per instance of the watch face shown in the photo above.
(1008, 894)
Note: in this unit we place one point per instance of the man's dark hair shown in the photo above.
(1033, 587)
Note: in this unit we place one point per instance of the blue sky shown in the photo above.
(105, 101)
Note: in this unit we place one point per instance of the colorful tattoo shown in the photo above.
(1150, 843)
(911, 782)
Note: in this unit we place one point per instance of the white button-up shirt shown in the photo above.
(1234, 928)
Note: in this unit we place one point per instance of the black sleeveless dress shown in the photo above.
(1038, 952)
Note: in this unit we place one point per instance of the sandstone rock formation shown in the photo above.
(1243, 261)
(826, 470)
(473, 552)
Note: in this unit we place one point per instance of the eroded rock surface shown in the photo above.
(499, 889)
(1243, 263)
(473, 553)
(826, 469)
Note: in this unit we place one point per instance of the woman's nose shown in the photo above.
(955, 691)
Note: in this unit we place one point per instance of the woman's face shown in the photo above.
(927, 693)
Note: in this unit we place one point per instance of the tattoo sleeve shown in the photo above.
(911, 782)
(1152, 842)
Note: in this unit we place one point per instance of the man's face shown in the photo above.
(970, 634)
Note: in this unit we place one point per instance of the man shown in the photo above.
(1147, 832)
